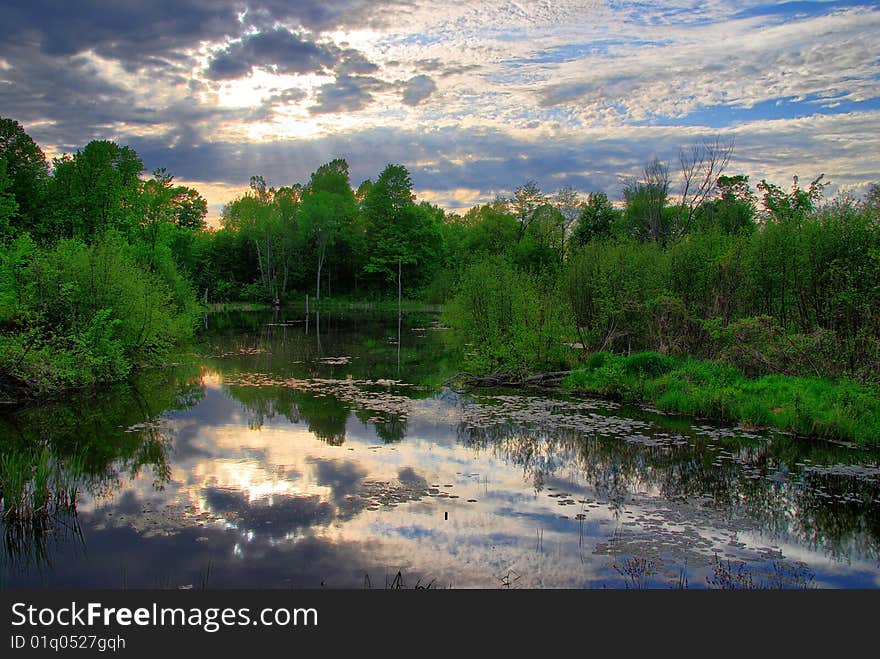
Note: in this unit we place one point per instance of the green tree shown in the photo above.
(189, 208)
(542, 246)
(568, 202)
(328, 204)
(492, 229)
(399, 232)
(646, 200)
(871, 200)
(526, 201)
(157, 212)
(793, 205)
(27, 170)
(265, 219)
(735, 208)
(596, 220)
(96, 190)
(8, 205)
(701, 166)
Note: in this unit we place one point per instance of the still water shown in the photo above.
(294, 452)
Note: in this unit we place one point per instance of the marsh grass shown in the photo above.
(817, 407)
(397, 582)
(38, 496)
(636, 572)
(736, 575)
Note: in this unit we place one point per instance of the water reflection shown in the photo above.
(273, 460)
(84, 446)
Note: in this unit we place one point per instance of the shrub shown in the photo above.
(506, 319)
(76, 314)
(650, 364)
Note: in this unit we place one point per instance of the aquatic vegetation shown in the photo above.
(837, 409)
(38, 499)
(737, 575)
(34, 483)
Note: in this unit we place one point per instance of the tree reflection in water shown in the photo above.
(85, 443)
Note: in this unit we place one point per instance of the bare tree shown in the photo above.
(656, 189)
(527, 199)
(569, 204)
(645, 200)
(701, 165)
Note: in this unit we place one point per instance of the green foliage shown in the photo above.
(77, 314)
(596, 221)
(95, 190)
(734, 210)
(809, 406)
(261, 230)
(812, 276)
(759, 345)
(99, 350)
(328, 205)
(649, 364)
(8, 204)
(14, 260)
(646, 213)
(98, 266)
(490, 229)
(507, 320)
(400, 234)
(27, 171)
(542, 246)
(612, 289)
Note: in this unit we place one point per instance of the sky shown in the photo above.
(474, 98)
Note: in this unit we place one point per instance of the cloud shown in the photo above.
(73, 104)
(563, 92)
(131, 31)
(355, 63)
(276, 49)
(736, 63)
(346, 94)
(417, 89)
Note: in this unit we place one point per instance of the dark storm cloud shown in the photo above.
(285, 514)
(347, 94)
(355, 63)
(279, 48)
(79, 103)
(410, 477)
(126, 31)
(66, 107)
(331, 14)
(442, 69)
(133, 31)
(417, 89)
(343, 478)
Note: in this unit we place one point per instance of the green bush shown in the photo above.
(649, 364)
(506, 320)
(76, 314)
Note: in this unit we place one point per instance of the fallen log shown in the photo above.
(545, 378)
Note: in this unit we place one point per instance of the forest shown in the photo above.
(693, 289)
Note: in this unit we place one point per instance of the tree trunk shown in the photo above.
(318, 274)
(260, 261)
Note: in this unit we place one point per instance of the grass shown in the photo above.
(37, 495)
(833, 409)
(33, 483)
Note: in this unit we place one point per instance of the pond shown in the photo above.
(325, 451)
